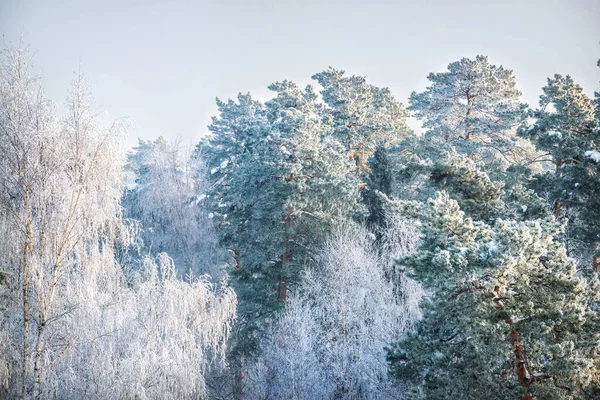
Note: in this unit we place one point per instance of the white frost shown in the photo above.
(593, 155)
(554, 133)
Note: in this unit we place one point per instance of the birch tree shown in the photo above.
(72, 323)
(168, 197)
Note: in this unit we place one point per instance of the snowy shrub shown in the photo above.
(330, 340)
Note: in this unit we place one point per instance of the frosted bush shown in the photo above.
(330, 340)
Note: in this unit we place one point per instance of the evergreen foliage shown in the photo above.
(507, 316)
(279, 184)
(567, 131)
(379, 180)
(475, 106)
(363, 115)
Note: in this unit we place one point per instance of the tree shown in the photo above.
(507, 317)
(72, 323)
(167, 198)
(363, 115)
(60, 189)
(279, 181)
(329, 341)
(566, 130)
(597, 100)
(159, 336)
(564, 123)
(25, 117)
(475, 106)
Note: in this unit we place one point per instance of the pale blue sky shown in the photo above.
(162, 63)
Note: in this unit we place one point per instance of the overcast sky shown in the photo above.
(162, 63)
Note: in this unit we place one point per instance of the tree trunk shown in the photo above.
(25, 294)
(238, 380)
(281, 278)
(468, 133)
(522, 373)
(282, 289)
(37, 369)
(25, 267)
(556, 209)
(524, 377)
(559, 164)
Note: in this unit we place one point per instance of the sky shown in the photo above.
(162, 63)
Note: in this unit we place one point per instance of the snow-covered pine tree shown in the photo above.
(278, 181)
(566, 130)
(475, 106)
(564, 123)
(584, 178)
(363, 115)
(422, 166)
(597, 100)
(507, 316)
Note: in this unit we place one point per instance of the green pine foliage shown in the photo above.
(566, 130)
(379, 180)
(363, 115)
(474, 106)
(279, 181)
(507, 315)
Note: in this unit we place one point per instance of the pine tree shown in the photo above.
(279, 180)
(507, 316)
(566, 130)
(363, 115)
(597, 100)
(422, 168)
(564, 123)
(474, 105)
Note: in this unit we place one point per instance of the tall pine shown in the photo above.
(566, 130)
(507, 317)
